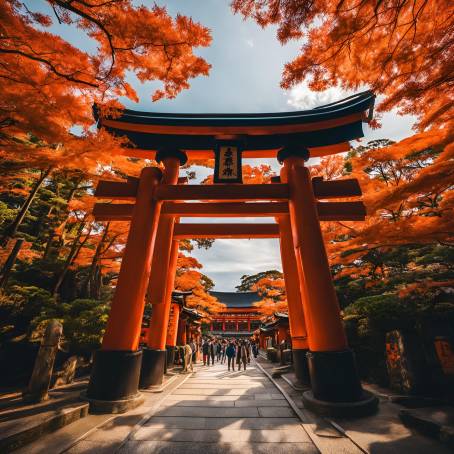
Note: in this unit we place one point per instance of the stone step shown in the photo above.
(15, 433)
(434, 422)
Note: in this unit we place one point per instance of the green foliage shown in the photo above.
(19, 306)
(207, 283)
(383, 312)
(84, 322)
(6, 214)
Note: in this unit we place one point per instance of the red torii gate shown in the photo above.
(297, 202)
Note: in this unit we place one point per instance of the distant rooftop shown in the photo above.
(237, 299)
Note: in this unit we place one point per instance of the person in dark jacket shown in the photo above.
(218, 350)
(206, 352)
(212, 351)
(223, 349)
(241, 355)
(230, 353)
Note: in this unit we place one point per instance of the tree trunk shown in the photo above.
(52, 234)
(8, 266)
(11, 230)
(90, 284)
(69, 259)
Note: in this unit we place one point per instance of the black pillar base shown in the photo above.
(300, 366)
(170, 356)
(336, 388)
(114, 381)
(153, 366)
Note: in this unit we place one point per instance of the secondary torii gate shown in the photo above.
(297, 203)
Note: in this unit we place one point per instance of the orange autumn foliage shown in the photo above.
(407, 190)
(49, 85)
(399, 48)
(268, 306)
(272, 292)
(189, 279)
(402, 50)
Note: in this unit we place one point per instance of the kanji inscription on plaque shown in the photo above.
(228, 164)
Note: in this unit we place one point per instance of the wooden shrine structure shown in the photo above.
(183, 326)
(239, 318)
(155, 202)
(274, 330)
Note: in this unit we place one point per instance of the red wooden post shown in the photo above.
(181, 339)
(115, 374)
(327, 340)
(296, 309)
(160, 285)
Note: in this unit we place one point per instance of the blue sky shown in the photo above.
(247, 63)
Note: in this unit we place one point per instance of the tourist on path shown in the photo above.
(194, 349)
(212, 352)
(223, 349)
(241, 355)
(218, 350)
(230, 353)
(255, 350)
(206, 352)
(188, 358)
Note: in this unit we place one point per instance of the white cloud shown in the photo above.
(301, 97)
(228, 260)
(394, 126)
(250, 42)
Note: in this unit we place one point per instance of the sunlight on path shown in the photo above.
(216, 411)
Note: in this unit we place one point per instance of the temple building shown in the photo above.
(239, 318)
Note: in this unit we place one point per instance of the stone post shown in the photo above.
(38, 387)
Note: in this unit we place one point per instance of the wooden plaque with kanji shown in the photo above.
(227, 167)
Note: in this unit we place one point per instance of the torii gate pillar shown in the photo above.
(295, 302)
(336, 386)
(114, 380)
(162, 275)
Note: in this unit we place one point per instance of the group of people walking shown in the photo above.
(231, 351)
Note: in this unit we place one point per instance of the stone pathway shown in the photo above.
(216, 411)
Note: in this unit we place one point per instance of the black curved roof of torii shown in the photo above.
(237, 299)
(323, 126)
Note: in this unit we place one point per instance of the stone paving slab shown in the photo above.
(199, 403)
(240, 379)
(294, 435)
(213, 385)
(225, 403)
(208, 412)
(222, 423)
(157, 447)
(261, 403)
(182, 397)
(272, 412)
